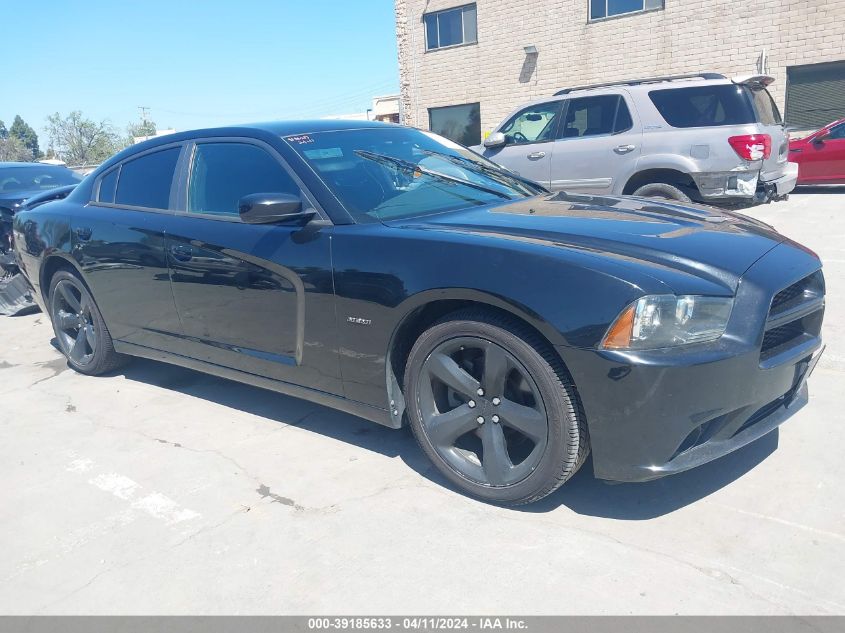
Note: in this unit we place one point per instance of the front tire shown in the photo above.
(494, 409)
(80, 330)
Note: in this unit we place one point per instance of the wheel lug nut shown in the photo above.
(495, 419)
(471, 404)
(479, 419)
(480, 392)
(496, 401)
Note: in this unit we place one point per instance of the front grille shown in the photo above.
(782, 335)
(795, 316)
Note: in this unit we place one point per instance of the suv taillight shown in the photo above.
(752, 146)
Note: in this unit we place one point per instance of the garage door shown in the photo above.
(815, 94)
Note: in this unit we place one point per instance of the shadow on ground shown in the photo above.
(583, 493)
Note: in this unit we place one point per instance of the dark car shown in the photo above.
(821, 155)
(392, 274)
(23, 184)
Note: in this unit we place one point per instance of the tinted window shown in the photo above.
(703, 106)
(36, 178)
(145, 181)
(837, 132)
(461, 123)
(223, 173)
(593, 116)
(767, 110)
(451, 27)
(108, 185)
(623, 118)
(534, 124)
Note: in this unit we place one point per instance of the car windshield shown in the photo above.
(33, 178)
(390, 173)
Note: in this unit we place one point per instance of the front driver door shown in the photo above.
(253, 297)
(598, 145)
(529, 138)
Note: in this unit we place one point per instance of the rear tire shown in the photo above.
(662, 190)
(80, 330)
(476, 364)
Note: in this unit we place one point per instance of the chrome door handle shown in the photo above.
(624, 149)
(536, 155)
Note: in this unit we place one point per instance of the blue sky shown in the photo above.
(195, 64)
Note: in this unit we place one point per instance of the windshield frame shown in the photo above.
(423, 144)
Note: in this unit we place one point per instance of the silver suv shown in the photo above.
(688, 137)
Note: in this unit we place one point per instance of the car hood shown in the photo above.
(14, 199)
(710, 243)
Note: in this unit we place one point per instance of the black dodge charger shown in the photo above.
(390, 273)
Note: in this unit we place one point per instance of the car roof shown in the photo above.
(275, 128)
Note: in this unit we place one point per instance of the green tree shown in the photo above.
(142, 128)
(80, 141)
(12, 149)
(4, 133)
(22, 131)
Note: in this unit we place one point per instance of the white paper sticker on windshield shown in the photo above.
(323, 153)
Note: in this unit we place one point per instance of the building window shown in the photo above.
(460, 123)
(600, 9)
(451, 27)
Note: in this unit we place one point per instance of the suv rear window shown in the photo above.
(766, 107)
(704, 106)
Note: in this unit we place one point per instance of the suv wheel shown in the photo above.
(494, 409)
(662, 190)
(80, 331)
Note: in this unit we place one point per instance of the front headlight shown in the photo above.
(657, 321)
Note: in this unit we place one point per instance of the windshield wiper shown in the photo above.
(414, 167)
(488, 170)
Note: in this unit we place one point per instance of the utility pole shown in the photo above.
(144, 111)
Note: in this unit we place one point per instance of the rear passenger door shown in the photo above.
(253, 297)
(597, 146)
(118, 238)
(529, 139)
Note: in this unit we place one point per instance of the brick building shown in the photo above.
(464, 66)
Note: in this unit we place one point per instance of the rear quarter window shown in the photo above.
(704, 106)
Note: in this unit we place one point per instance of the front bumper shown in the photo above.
(660, 412)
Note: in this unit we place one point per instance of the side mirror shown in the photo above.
(496, 139)
(271, 208)
(821, 137)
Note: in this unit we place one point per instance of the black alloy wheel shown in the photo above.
(493, 408)
(80, 331)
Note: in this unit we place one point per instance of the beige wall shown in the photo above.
(724, 36)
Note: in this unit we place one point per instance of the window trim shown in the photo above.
(185, 167)
(437, 13)
(591, 20)
(95, 190)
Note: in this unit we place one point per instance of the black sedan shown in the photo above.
(390, 273)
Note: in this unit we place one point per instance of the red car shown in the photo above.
(821, 155)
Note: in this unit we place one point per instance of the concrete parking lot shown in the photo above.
(162, 490)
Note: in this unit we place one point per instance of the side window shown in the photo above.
(146, 181)
(837, 132)
(108, 186)
(534, 124)
(223, 173)
(594, 116)
(623, 121)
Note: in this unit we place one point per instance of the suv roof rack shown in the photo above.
(647, 80)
